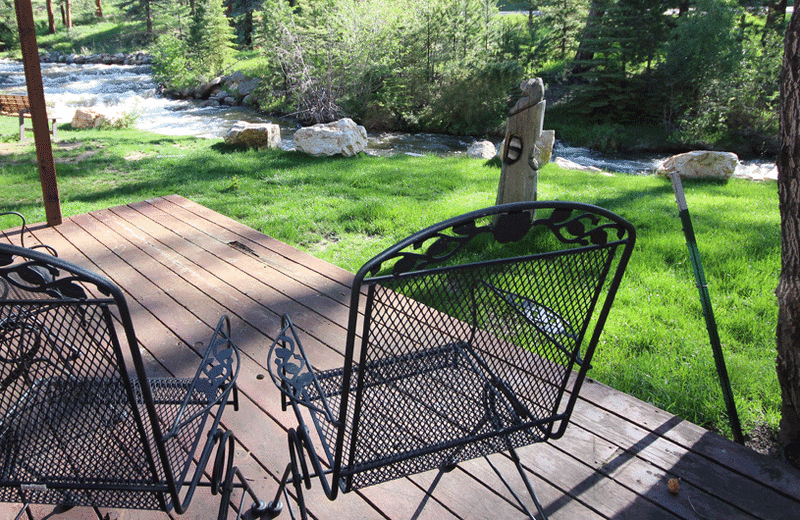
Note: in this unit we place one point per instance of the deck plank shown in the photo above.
(182, 265)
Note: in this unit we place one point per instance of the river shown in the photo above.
(126, 88)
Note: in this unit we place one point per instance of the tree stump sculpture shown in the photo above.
(520, 168)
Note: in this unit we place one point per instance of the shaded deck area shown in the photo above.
(182, 265)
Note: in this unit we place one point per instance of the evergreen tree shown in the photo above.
(210, 40)
(564, 19)
(705, 48)
(8, 25)
(242, 11)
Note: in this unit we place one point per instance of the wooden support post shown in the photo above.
(41, 132)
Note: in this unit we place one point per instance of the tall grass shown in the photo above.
(344, 210)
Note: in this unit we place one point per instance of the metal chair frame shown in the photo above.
(481, 348)
(81, 423)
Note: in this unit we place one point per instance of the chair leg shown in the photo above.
(521, 470)
(222, 480)
(26, 510)
(276, 506)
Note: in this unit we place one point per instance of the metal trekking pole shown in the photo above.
(708, 312)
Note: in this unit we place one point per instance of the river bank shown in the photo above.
(117, 86)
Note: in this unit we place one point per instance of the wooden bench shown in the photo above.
(20, 106)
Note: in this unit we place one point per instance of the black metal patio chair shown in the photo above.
(462, 342)
(81, 423)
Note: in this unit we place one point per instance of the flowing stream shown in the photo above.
(126, 88)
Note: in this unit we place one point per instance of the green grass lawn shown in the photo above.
(344, 210)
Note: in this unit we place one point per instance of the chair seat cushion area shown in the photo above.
(425, 410)
(59, 450)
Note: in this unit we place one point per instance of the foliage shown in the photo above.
(705, 48)
(562, 21)
(8, 25)
(393, 63)
(707, 74)
(242, 12)
(97, 37)
(210, 40)
(705, 70)
(124, 120)
(731, 101)
(184, 59)
(171, 63)
(615, 81)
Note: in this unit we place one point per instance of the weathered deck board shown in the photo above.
(182, 265)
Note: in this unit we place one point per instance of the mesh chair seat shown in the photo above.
(394, 443)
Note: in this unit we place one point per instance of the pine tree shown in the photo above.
(210, 39)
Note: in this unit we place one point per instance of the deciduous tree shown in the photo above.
(788, 291)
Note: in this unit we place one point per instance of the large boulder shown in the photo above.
(205, 90)
(85, 117)
(544, 147)
(98, 118)
(482, 150)
(254, 135)
(343, 137)
(700, 165)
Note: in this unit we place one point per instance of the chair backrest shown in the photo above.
(463, 339)
(59, 350)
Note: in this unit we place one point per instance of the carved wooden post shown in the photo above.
(520, 169)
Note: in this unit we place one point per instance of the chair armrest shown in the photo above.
(215, 376)
(291, 371)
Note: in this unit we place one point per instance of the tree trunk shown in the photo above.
(148, 20)
(247, 30)
(51, 19)
(68, 13)
(585, 52)
(776, 13)
(788, 291)
(99, 11)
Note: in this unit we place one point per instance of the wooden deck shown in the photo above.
(182, 265)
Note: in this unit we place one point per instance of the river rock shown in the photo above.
(254, 135)
(85, 117)
(95, 118)
(343, 137)
(205, 90)
(544, 147)
(700, 164)
(569, 165)
(247, 86)
(482, 150)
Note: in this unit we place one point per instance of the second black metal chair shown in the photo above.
(461, 342)
(81, 423)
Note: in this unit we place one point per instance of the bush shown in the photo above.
(418, 65)
(171, 64)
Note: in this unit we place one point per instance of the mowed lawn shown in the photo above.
(345, 210)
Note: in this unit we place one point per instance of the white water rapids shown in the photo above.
(130, 88)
